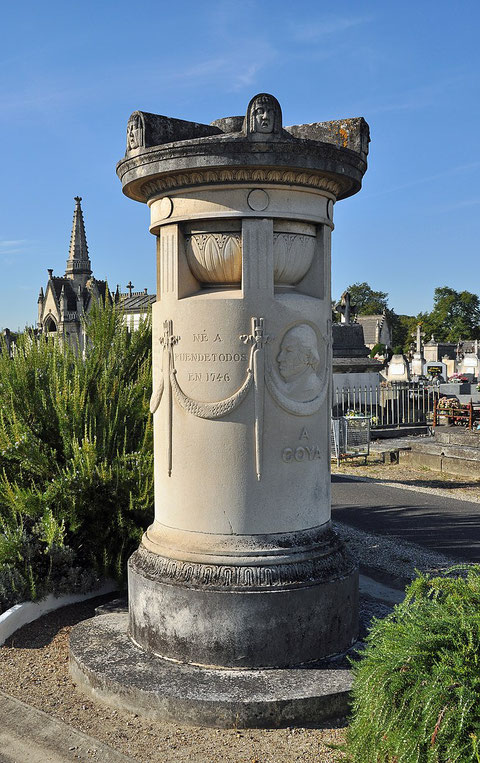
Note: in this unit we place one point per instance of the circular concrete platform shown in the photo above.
(107, 665)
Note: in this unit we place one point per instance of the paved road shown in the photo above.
(444, 525)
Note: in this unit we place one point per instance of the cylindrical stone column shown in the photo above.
(241, 567)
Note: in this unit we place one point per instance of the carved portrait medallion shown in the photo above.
(298, 379)
(298, 362)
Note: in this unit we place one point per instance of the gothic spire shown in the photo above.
(78, 263)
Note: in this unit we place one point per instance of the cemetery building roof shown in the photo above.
(137, 302)
(350, 354)
(371, 324)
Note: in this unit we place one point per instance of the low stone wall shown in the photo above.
(452, 451)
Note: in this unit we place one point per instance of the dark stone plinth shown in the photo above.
(453, 388)
(294, 614)
(108, 666)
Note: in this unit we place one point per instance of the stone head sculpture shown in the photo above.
(135, 132)
(264, 115)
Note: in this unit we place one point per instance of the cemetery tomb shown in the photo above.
(240, 582)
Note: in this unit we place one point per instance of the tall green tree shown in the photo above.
(403, 331)
(367, 300)
(455, 315)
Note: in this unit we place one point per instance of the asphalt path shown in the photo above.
(445, 525)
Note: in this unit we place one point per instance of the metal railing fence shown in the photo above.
(389, 404)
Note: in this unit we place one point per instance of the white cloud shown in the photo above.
(13, 246)
(331, 25)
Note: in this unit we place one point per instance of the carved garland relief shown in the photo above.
(297, 383)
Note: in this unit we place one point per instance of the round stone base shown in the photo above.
(252, 617)
(108, 666)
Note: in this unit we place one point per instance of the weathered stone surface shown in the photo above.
(164, 154)
(233, 617)
(352, 133)
(453, 450)
(348, 341)
(240, 567)
(457, 436)
(105, 663)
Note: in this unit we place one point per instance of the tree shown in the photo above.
(455, 315)
(366, 300)
(403, 331)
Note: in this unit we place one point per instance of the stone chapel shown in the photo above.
(70, 296)
(67, 298)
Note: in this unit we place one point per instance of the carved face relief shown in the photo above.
(134, 132)
(264, 115)
(298, 362)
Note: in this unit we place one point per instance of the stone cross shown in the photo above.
(419, 336)
(130, 286)
(346, 309)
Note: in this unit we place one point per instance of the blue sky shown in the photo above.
(71, 73)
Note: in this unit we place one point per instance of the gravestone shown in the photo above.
(355, 375)
(398, 370)
(436, 370)
(241, 568)
(470, 365)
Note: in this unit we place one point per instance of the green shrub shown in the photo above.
(35, 563)
(416, 694)
(76, 447)
(378, 349)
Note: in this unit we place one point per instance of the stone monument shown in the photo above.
(355, 375)
(417, 364)
(241, 568)
(398, 369)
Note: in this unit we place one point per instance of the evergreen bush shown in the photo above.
(378, 349)
(76, 454)
(416, 693)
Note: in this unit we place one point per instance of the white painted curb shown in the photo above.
(21, 614)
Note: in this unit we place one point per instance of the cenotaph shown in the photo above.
(241, 574)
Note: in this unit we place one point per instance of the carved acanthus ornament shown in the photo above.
(179, 180)
(215, 258)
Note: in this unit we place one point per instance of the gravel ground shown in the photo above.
(34, 668)
(34, 664)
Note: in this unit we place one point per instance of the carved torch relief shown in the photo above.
(296, 381)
